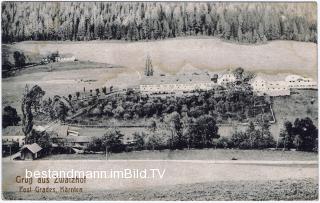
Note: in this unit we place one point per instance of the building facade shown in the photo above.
(267, 85)
(263, 86)
(176, 84)
(299, 82)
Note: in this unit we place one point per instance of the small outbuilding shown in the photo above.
(30, 151)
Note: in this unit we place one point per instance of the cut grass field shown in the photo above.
(203, 154)
(289, 189)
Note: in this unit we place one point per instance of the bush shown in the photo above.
(223, 142)
(253, 138)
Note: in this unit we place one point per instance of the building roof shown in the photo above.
(79, 139)
(12, 131)
(176, 79)
(34, 148)
(275, 77)
(61, 130)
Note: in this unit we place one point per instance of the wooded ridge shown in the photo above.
(133, 21)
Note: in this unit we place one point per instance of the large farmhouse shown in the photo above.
(176, 84)
(268, 85)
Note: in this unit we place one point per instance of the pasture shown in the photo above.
(205, 53)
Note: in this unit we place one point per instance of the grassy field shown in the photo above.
(172, 55)
(204, 154)
(64, 81)
(297, 105)
(301, 103)
(289, 189)
(62, 66)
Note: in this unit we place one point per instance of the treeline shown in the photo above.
(242, 22)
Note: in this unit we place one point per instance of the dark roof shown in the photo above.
(34, 148)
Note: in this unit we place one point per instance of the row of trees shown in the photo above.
(176, 133)
(243, 22)
(19, 58)
(203, 133)
(301, 135)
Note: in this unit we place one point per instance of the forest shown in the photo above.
(133, 21)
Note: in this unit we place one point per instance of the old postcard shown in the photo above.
(159, 101)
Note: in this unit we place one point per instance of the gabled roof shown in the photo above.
(34, 148)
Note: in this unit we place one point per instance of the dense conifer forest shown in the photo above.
(241, 22)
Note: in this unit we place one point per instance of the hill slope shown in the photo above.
(205, 53)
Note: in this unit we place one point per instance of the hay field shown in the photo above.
(204, 53)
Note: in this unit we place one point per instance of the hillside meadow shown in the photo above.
(205, 53)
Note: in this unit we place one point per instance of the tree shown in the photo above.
(306, 134)
(174, 124)
(238, 73)
(41, 138)
(61, 110)
(30, 97)
(247, 22)
(10, 117)
(112, 141)
(19, 59)
(253, 137)
(96, 145)
(203, 131)
(287, 135)
(156, 141)
(139, 142)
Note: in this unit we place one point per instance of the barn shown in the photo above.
(30, 151)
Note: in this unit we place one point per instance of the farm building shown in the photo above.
(299, 82)
(65, 58)
(262, 85)
(80, 142)
(30, 151)
(176, 84)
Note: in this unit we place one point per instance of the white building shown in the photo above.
(176, 84)
(226, 78)
(270, 87)
(299, 82)
(65, 58)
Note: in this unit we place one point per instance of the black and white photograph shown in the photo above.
(159, 101)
